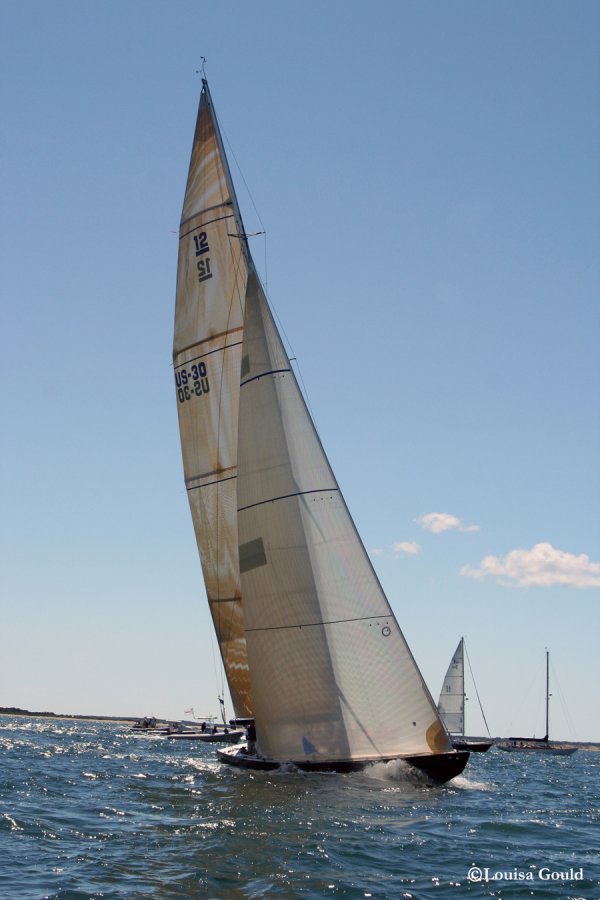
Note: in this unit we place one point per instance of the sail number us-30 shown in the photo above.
(191, 382)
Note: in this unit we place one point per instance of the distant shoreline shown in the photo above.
(15, 711)
(26, 713)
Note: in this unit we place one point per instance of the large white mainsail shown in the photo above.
(212, 275)
(452, 696)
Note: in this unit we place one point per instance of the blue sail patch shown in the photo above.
(308, 747)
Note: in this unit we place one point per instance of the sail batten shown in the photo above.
(184, 234)
(211, 338)
(316, 624)
(326, 490)
(212, 475)
(264, 375)
(201, 212)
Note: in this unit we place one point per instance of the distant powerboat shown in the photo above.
(145, 724)
(214, 735)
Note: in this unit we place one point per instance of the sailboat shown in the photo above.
(451, 705)
(543, 744)
(315, 661)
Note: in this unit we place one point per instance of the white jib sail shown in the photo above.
(211, 286)
(332, 676)
(452, 696)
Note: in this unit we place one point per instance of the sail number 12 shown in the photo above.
(203, 265)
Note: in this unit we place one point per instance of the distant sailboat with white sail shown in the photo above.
(313, 655)
(451, 705)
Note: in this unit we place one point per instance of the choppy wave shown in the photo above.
(95, 810)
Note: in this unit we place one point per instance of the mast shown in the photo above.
(212, 275)
(229, 181)
(464, 696)
(547, 693)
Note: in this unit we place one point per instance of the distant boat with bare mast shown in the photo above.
(540, 745)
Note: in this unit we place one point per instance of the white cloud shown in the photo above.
(410, 548)
(542, 566)
(438, 522)
(377, 551)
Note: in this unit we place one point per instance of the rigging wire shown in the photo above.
(293, 356)
(224, 627)
(476, 691)
(248, 191)
(525, 697)
(563, 703)
(218, 671)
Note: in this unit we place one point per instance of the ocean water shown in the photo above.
(95, 810)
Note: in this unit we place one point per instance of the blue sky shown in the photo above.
(428, 178)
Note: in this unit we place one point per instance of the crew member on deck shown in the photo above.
(251, 734)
